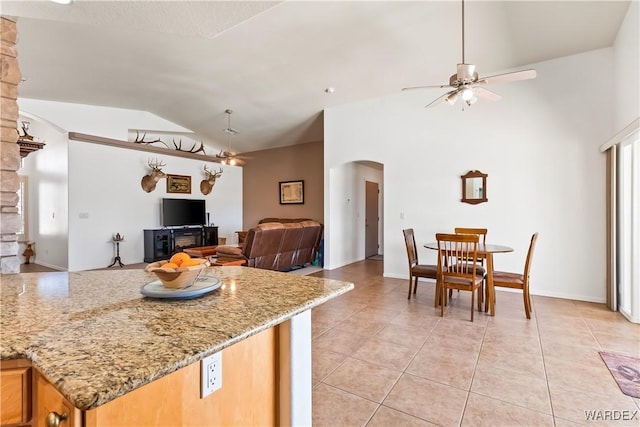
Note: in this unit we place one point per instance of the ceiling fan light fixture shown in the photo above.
(466, 83)
(467, 94)
(229, 157)
(451, 98)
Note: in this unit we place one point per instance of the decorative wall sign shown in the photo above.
(179, 184)
(291, 192)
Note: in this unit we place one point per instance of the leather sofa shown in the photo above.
(283, 220)
(277, 246)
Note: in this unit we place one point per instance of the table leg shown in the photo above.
(117, 258)
(490, 290)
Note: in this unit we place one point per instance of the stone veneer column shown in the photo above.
(9, 149)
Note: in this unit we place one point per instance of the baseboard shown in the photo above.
(568, 296)
(44, 264)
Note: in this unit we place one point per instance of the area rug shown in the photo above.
(625, 370)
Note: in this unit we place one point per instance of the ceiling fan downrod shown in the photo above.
(463, 31)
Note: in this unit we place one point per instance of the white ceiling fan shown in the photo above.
(467, 85)
(229, 157)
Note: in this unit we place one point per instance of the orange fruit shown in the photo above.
(190, 262)
(169, 265)
(179, 258)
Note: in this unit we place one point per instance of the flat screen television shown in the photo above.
(183, 212)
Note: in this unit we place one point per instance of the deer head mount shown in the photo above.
(206, 185)
(150, 180)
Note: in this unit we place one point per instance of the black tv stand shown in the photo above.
(161, 243)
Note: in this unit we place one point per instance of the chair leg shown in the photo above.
(443, 297)
(527, 302)
(473, 293)
(480, 291)
(486, 295)
(415, 285)
(410, 283)
(438, 297)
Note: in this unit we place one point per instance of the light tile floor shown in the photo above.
(382, 360)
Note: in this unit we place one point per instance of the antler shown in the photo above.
(157, 165)
(191, 150)
(212, 174)
(139, 140)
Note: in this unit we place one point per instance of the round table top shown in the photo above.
(482, 248)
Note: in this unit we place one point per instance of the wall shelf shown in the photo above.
(75, 136)
(28, 146)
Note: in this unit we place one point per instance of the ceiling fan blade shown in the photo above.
(481, 92)
(425, 87)
(509, 77)
(439, 99)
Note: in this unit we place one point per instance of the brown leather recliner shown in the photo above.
(278, 246)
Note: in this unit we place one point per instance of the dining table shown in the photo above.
(485, 251)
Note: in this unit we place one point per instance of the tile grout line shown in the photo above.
(544, 364)
(475, 368)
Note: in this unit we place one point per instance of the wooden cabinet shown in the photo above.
(161, 243)
(249, 395)
(158, 245)
(15, 393)
(53, 408)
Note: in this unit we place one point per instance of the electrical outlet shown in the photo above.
(211, 374)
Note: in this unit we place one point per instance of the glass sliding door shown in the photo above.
(629, 228)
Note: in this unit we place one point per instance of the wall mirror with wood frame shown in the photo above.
(474, 187)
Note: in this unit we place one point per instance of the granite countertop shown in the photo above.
(95, 337)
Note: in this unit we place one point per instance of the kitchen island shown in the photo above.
(104, 347)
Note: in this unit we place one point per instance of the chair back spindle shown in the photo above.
(482, 238)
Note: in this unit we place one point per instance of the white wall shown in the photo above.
(47, 174)
(104, 183)
(627, 69)
(539, 146)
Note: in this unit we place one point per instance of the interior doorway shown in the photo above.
(372, 219)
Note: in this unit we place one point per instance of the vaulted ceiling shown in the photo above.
(271, 62)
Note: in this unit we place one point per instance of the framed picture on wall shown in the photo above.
(179, 184)
(291, 192)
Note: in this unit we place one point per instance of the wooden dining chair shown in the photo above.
(454, 272)
(415, 268)
(517, 280)
(482, 238)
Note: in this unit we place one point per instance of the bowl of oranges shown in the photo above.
(178, 272)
